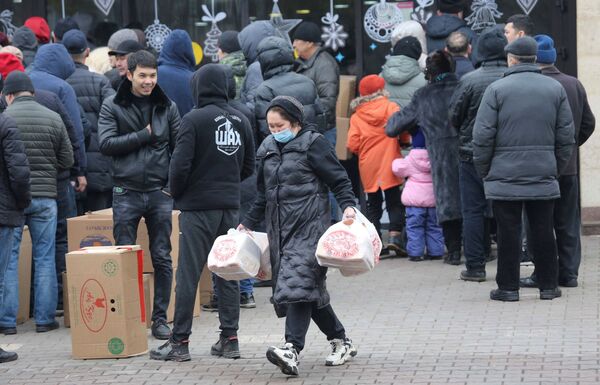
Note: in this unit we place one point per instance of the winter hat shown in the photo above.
(410, 28)
(546, 53)
(17, 81)
(120, 36)
(14, 50)
(523, 46)
(63, 26)
(308, 31)
(450, 6)
(371, 84)
(9, 63)
(490, 45)
(228, 42)
(40, 27)
(408, 46)
(125, 48)
(75, 41)
(290, 105)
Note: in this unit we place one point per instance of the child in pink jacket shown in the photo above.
(422, 228)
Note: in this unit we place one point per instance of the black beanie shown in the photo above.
(16, 82)
(450, 6)
(64, 25)
(490, 45)
(408, 46)
(290, 105)
(228, 42)
(308, 31)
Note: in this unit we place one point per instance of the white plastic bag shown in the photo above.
(353, 246)
(264, 272)
(235, 256)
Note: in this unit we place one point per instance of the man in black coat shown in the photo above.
(213, 154)
(15, 196)
(463, 110)
(567, 222)
(137, 129)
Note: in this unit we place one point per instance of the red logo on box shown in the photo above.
(341, 244)
(225, 249)
(92, 302)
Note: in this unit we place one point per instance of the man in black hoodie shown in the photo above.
(214, 152)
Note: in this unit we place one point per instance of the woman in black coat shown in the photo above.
(296, 168)
(428, 111)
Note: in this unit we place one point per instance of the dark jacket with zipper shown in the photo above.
(140, 159)
(293, 184)
(214, 150)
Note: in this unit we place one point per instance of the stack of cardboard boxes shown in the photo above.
(342, 113)
(24, 277)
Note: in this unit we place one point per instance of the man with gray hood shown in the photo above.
(25, 40)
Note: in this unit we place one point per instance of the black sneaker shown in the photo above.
(227, 347)
(8, 330)
(550, 293)
(247, 301)
(453, 258)
(172, 351)
(285, 358)
(7, 356)
(473, 275)
(160, 330)
(47, 327)
(528, 282)
(504, 295)
(212, 306)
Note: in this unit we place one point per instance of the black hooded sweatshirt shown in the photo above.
(214, 150)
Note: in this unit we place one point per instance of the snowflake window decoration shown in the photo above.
(381, 19)
(157, 33)
(420, 13)
(212, 37)
(485, 13)
(333, 32)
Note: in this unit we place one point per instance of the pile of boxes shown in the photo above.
(342, 112)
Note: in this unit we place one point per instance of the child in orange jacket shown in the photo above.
(376, 152)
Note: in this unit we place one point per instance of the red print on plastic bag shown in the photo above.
(341, 244)
(225, 249)
(92, 302)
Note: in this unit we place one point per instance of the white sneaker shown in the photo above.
(351, 348)
(286, 358)
(340, 353)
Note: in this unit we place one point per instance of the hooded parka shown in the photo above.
(175, 69)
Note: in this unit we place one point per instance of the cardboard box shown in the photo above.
(67, 312)
(205, 287)
(106, 302)
(346, 94)
(96, 229)
(24, 277)
(342, 126)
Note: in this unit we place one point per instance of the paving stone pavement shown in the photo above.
(413, 323)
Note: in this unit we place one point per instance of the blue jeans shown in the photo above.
(422, 230)
(156, 207)
(40, 216)
(331, 136)
(6, 242)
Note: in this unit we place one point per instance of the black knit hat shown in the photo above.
(408, 46)
(308, 31)
(228, 42)
(490, 45)
(450, 6)
(64, 25)
(290, 105)
(16, 82)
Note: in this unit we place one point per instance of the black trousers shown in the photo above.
(508, 216)
(452, 235)
(393, 203)
(97, 200)
(199, 229)
(298, 319)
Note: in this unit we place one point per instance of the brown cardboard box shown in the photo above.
(149, 280)
(205, 288)
(346, 94)
(66, 317)
(24, 277)
(343, 126)
(106, 302)
(96, 229)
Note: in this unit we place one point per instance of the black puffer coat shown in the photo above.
(91, 90)
(293, 181)
(276, 59)
(428, 111)
(15, 193)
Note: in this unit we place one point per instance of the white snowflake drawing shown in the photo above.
(333, 32)
(420, 13)
(157, 33)
(381, 19)
(211, 47)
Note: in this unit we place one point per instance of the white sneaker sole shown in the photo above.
(350, 353)
(285, 366)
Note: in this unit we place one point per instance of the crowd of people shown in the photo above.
(464, 137)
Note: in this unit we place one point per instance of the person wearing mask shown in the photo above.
(176, 64)
(567, 222)
(447, 19)
(48, 149)
(296, 215)
(121, 54)
(401, 71)
(213, 155)
(137, 128)
(522, 141)
(428, 112)
(457, 45)
(91, 90)
(518, 26)
(230, 53)
(15, 196)
(463, 111)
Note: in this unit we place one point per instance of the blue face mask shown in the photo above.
(284, 136)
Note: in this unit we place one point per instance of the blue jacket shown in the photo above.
(175, 68)
(50, 68)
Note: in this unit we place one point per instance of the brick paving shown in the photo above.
(413, 323)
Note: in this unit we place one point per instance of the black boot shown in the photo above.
(171, 351)
(453, 258)
(227, 347)
(7, 356)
